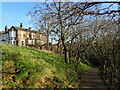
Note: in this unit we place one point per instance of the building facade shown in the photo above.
(22, 37)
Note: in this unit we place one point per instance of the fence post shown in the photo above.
(111, 79)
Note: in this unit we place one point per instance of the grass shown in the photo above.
(24, 67)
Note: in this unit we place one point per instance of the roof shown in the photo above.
(19, 28)
(23, 29)
(1, 31)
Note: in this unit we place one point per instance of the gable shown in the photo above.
(13, 29)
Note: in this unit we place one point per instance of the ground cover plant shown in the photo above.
(24, 67)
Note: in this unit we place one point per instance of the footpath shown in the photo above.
(92, 81)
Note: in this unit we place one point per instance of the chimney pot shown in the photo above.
(30, 28)
(6, 28)
(21, 25)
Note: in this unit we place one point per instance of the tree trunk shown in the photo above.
(65, 53)
(48, 42)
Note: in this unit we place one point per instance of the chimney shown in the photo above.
(6, 28)
(30, 28)
(21, 25)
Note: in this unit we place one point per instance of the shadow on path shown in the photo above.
(92, 81)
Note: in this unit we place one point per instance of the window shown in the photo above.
(29, 41)
(41, 42)
(22, 43)
(14, 42)
(11, 42)
(40, 35)
(28, 34)
(32, 42)
(22, 34)
(32, 35)
(12, 33)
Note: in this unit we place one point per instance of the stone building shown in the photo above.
(22, 37)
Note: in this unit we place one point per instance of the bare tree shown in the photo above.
(61, 18)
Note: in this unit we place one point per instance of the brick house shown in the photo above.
(22, 37)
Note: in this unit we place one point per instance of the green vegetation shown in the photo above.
(24, 67)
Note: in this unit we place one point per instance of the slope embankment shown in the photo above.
(24, 67)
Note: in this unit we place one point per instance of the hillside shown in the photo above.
(24, 67)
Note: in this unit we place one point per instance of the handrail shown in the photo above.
(109, 75)
(114, 74)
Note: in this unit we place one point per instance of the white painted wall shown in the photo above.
(13, 42)
(29, 41)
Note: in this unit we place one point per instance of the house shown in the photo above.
(22, 37)
(3, 37)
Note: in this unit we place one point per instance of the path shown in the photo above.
(92, 81)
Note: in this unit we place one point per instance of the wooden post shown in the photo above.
(110, 80)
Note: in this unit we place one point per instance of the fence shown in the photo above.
(111, 79)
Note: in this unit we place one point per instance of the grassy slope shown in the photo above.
(28, 68)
